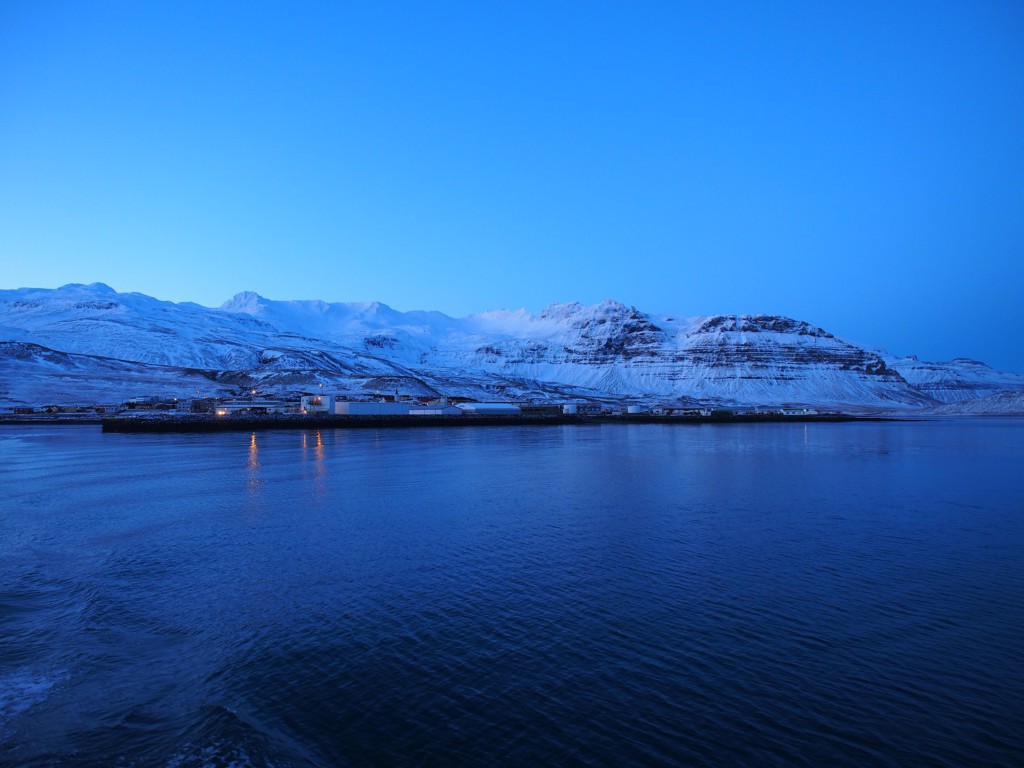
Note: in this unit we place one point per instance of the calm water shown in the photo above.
(623, 594)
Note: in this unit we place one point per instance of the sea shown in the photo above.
(576, 595)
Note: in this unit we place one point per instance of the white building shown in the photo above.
(438, 409)
(247, 406)
(346, 408)
(490, 409)
(317, 404)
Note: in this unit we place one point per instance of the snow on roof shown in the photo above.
(490, 407)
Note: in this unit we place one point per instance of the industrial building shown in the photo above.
(436, 409)
(317, 404)
(347, 408)
(228, 407)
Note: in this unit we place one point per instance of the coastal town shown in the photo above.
(257, 410)
(381, 405)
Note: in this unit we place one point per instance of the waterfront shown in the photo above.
(770, 594)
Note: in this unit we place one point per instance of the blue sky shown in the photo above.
(856, 165)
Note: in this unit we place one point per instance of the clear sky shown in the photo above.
(857, 165)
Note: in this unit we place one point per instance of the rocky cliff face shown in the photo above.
(57, 345)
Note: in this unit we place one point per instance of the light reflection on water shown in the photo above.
(255, 484)
(641, 594)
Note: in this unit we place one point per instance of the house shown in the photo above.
(204, 404)
(147, 402)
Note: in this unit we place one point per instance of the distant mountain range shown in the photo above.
(83, 344)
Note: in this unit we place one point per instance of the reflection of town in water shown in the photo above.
(316, 442)
(253, 466)
(314, 454)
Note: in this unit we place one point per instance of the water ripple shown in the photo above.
(680, 597)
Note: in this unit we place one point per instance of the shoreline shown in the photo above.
(255, 423)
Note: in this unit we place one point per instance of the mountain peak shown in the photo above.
(91, 287)
(249, 302)
(760, 324)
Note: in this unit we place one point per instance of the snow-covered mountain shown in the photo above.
(88, 343)
(1002, 403)
(956, 380)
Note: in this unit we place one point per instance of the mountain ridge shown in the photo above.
(566, 351)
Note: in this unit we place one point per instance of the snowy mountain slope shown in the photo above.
(568, 350)
(95, 320)
(34, 375)
(956, 380)
(737, 359)
(999, 404)
(613, 349)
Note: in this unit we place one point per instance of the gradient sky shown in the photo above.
(857, 165)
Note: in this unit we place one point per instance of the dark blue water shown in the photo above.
(847, 594)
